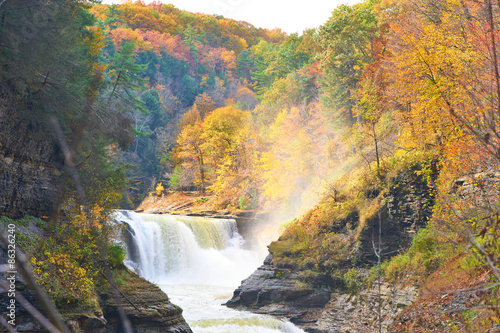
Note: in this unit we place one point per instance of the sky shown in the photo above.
(290, 16)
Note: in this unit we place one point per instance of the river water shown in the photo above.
(198, 262)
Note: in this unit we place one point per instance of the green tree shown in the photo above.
(244, 65)
(192, 39)
(347, 43)
(125, 78)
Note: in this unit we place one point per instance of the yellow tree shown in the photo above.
(226, 132)
(191, 152)
(204, 104)
(436, 67)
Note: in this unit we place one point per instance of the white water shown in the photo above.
(198, 262)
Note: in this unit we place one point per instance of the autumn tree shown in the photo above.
(226, 131)
(191, 151)
(296, 154)
(204, 104)
(347, 43)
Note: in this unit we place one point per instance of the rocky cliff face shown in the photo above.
(408, 208)
(30, 164)
(321, 307)
(359, 313)
(320, 302)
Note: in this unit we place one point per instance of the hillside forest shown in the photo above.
(148, 99)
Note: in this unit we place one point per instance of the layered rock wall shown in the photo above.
(30, 164)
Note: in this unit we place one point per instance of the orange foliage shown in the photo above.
(173, 45)
(123, 35)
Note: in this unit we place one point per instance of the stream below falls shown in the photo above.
(198, 262)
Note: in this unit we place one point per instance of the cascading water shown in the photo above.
(198, 262)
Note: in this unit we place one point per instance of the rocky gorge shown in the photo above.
(322, 301)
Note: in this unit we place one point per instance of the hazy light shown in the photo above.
(289, 16)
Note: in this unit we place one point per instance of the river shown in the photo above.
(198, 262)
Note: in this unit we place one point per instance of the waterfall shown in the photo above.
(184, 249)
(198, 262)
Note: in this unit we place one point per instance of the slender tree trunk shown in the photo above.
(201, 165)
(494, 52)
(375, 139)
(378, 252)
(115, 85)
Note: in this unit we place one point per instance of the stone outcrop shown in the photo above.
(320, 306)
(280, 292)
(359, 313)
(146, 306)
(408, 208)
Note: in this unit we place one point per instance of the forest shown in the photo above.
(144, 100)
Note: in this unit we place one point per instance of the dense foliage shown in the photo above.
(152, 98)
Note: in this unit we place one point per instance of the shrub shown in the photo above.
(243, 202)
(354, 281)
(116, 255)
(159, 189)
(425, 255)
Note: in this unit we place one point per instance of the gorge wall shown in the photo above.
(30, 163)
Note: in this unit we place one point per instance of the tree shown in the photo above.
(226, 133)
(192, 39)
(263, 78)
(244, 65)
(204, 104)
(347, 43)
(125, 78)
(295, 154)
(191, 152)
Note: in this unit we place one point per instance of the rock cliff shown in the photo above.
(30, 164)
(280, 292)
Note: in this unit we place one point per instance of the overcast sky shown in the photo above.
(290, 16)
